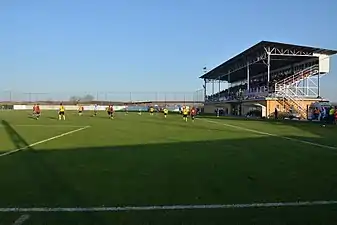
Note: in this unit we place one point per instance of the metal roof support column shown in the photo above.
(303, 85)
(205, 85)
(318, 85)
(205, 90)
(248, 78)
(219, 89)
(307, 87)
(268, 69)
(213, 82)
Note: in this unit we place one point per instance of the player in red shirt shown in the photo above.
(37, 111)
(111, 111)
(34, 110)
(193, 113)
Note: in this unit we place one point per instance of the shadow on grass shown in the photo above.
(52, 117)
(15, 137)
(215, 171)
(42, 173)
(30, 116)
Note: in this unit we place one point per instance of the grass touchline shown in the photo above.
(43, 141)
(21, 219)
(170, 207)
(272, 135)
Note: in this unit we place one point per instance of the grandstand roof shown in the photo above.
(282, 54)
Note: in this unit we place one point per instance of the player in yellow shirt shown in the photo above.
(151, 111)
(185, 113)
(80, 110)
(62, 112)
(165, 112)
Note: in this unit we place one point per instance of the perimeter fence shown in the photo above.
(14, 96)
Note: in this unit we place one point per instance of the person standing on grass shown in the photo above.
(335, 115)
(62, 112)
(193, 113)
(126, 109)
(165, 110)
(332, 115)
(110, 111)
(80, 110)
(185, 113)
(95, 109)
(37, 111)
(34, 108)
(276, 114)
(323, 114)
(151, 110)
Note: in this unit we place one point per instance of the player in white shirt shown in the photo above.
(95, 109)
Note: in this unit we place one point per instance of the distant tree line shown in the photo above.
(86, 98)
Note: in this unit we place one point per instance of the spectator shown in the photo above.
(332, 114)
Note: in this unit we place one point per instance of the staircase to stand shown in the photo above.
(284, 90)
(297, 77)
(289, 102)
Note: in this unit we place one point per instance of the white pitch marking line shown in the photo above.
(272, 135)
(21, 219)
(43, 125)
(170, 207)
(43, 141)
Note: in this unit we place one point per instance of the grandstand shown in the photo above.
(267, 77)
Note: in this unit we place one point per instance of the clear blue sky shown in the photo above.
(150, 45)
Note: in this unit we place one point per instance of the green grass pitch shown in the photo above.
(148, 160)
